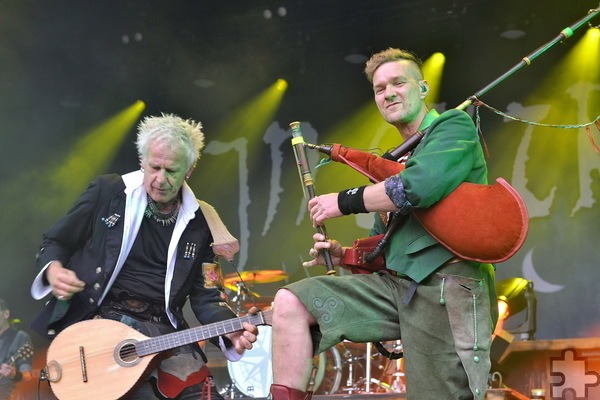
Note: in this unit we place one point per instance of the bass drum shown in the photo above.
(252, 375)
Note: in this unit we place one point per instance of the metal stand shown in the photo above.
(242, 293)
(393, 371)
(398, 376)
(353, 385)
(364, 381)
(368, 369)
(231, 392)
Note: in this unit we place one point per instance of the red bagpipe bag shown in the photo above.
(484, 223)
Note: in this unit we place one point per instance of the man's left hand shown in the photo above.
(8, 371)
(242, 340)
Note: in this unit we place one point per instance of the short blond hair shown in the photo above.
(388, 55)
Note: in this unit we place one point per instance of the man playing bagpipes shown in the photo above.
(442, 307)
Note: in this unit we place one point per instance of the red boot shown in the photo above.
(280, 392)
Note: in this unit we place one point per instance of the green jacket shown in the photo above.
(449, 154)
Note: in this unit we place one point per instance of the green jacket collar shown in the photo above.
(431, 115)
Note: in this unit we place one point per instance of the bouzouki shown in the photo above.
(103, 359)
(23, 352)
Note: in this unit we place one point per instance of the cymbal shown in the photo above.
(255, 276)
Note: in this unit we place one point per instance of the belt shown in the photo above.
(397, 274)
(122, 316)
(413, 284)
(138, 309)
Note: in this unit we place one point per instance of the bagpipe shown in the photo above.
(477, 222)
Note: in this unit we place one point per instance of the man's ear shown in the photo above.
(424, 88)
(189, 172)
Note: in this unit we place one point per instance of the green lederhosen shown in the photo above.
(445, 327)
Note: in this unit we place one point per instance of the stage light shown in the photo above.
(355, 57)
(281, 84)
(93, 152)
(268, 14)
(204, 83)
(253, 116)
(514, 24)
(139, 106)
(514, 296)
(591, 43)
(433, 69)
(238, 144)
(513, 32)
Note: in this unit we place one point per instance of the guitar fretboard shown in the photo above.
(176, 339)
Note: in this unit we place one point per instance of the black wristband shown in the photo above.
(351, 201)
(18, 376)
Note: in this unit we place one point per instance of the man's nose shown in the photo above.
(161, 176)
(390, 95)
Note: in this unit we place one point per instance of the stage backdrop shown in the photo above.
(69, 67)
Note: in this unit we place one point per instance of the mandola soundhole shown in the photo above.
(126, 354)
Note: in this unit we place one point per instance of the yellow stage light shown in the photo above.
(93, 152)
(242, 132)
(281, 84)
(433, 69)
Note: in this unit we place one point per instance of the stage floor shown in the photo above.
(491, 394)
(391, 396)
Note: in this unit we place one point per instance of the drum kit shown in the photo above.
(348, 368)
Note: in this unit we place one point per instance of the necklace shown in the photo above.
(152, 211)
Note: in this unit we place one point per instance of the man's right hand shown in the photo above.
(335, 250)
(63, 281)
